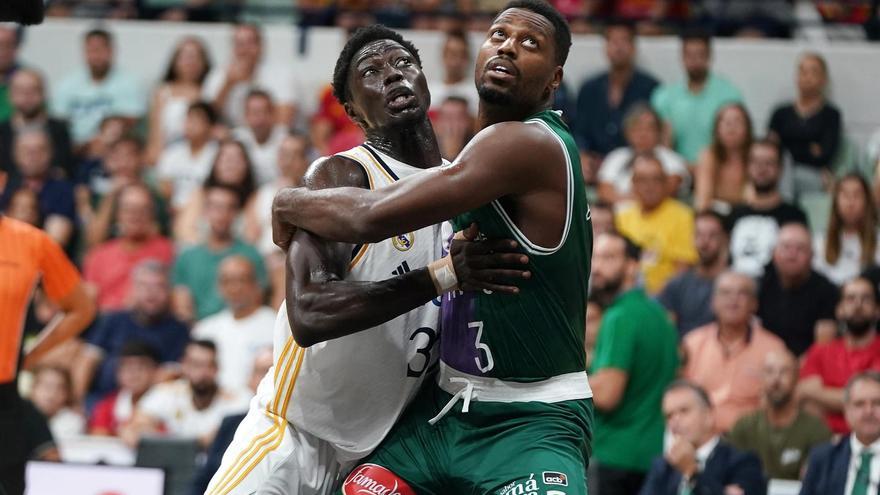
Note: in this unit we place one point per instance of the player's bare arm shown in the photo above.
(322, 305)
(520, 163)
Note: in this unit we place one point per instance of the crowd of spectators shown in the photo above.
(731, 328)
(705, 264)
(747, 18)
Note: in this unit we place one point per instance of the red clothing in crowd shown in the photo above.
(835, 364)
(108, 266)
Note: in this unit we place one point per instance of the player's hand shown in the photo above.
(488, 264)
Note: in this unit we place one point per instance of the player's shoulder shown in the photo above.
(520, 140)
(335, 171)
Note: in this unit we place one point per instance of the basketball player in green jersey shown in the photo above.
(511, 410)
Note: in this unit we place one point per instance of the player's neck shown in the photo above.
(415, 145)
(490, 114)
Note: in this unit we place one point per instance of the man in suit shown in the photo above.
(697, 461)
(852, 465)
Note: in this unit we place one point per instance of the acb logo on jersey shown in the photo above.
(404, 242)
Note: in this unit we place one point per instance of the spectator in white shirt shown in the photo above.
(851, 242)
(243, 328)
(642, 129)
(457, 69)
(292, 162)
(53, 396)
(191, 407)
(227, 87)
(184, 165)
(261, 135)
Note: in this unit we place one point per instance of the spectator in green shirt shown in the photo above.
(636, 357)
(781, 434)
(9, 42)
(689, 107)
(195, 271)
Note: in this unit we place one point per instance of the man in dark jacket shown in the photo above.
(849, 467)
(697, 461)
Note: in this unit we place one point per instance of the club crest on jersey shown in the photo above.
(372, 479)
(403, 242)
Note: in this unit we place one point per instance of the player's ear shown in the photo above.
(555, 82)
(352, 113)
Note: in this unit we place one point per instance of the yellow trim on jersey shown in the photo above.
(270, 444)
(263, 440)
(281, 357)
(272, 407)
(359, 256)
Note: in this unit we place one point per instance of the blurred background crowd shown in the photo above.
(740, 255)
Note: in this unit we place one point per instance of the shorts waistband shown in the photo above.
(466, 387)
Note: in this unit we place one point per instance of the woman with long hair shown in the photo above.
(850, 243)
(180, 87)
(232, 168)
(721, 168)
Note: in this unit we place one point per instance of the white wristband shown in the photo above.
(442, 274)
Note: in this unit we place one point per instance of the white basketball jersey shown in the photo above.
(350, 391)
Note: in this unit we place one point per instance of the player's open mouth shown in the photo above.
(501, 68)
(400, 98)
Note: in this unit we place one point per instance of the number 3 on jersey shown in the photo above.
(490, 363)
(423, 350)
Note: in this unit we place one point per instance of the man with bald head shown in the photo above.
(828, 366)
(662, 226)
(781, 433)
(726, 356)
(796, 303)
(27, 95)
(34, 162)
(244, 327)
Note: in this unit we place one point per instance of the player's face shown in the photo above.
(516, 64)
(388, 88)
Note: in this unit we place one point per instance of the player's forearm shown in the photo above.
(333, 309)
(338, 214)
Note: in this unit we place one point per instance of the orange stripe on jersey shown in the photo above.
(27, 254)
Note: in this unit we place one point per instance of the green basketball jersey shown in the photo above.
(538, 333)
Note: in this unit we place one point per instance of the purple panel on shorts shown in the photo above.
(457, 347)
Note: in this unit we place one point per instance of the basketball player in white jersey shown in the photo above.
(336, 390)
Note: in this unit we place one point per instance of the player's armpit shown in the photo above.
(506, 159)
